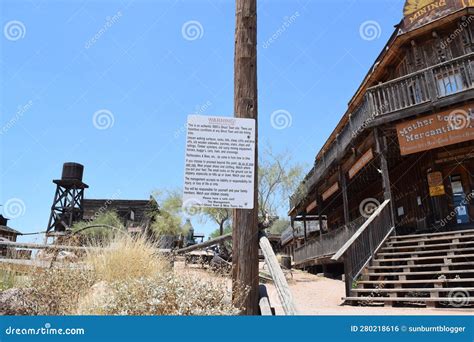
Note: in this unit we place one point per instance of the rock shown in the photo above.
(12, 302)
(43, 255)
(94, 299)
(67, 256)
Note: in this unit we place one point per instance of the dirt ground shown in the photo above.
(316, 295)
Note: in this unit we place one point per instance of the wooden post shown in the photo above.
(245, 223)
(345, 200)
(319, 202)
(304, 227)
(381, 148)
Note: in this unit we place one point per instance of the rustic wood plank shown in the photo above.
(278, 276)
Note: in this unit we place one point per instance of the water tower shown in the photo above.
(67, 205)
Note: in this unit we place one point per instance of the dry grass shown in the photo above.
(126, 258)
(126, 278)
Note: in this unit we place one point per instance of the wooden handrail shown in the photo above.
(354, 237)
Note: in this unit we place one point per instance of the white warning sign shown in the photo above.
(220, 162)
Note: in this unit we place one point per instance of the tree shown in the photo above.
(278, 178)
(221, 216)
(168, 221)
(216, 233)
(279, 226)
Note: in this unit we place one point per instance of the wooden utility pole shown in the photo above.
(245, 223)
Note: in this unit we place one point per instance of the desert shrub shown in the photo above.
(165, 294)
(100, 234)
(56, 291)
(126, 278)
(7, 279)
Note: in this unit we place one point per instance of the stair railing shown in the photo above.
(362, 246)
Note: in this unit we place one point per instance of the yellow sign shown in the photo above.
(437, 190)
(435, 182)
(421, 12)
(412, 6)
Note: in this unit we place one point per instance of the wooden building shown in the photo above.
(8, 234)
(395, 179)
(136, 215)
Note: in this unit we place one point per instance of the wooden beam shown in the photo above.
(245, 221)
(264, 302)
(278, 276)
(205, 244)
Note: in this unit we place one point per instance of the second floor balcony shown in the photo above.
(411, 94)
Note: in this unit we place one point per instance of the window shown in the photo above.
(449, 83)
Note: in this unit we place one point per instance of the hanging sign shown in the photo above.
(421, 12)
(435, 182)
(220, 163)
(359, 164)
(436, 130)
(311, 206)
(331, 191)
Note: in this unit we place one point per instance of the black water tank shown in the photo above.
(72, 171)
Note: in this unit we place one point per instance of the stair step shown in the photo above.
(417, 281)
(456, 256)
(399, 237)
(392, 274)
(444, 238)
(409, 299)
(460, 290)
(440, 245)
(468, 263)
(429, 252)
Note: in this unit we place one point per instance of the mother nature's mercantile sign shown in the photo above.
(220, 162)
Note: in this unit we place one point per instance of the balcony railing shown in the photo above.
(424, 86)
(327, 244)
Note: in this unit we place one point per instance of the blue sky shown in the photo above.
(134, 64)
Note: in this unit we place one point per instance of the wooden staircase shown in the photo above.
(433, 270)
